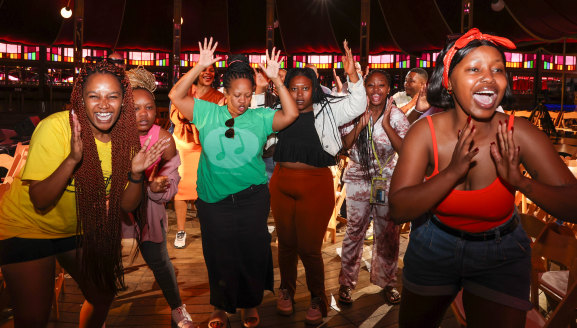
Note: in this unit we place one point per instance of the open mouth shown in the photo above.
(375, 98)
(485, 98)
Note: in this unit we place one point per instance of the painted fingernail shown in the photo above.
(469, 119)
(476, 149)
(459, 133)
(512, 128)
(492, 143)
(499, 122)
(473, 128)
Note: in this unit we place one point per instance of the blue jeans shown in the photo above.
(156, 257)
(438, 263)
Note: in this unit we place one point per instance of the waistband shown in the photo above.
(246, 192)
(502, 230)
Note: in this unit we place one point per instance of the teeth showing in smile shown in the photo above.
(103, 116)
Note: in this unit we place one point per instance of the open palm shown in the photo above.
(272, 64)
(207, 49)
(348, 61)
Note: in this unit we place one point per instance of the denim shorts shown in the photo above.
(438, 263)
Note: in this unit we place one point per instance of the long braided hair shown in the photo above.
(99, 215)
(363, 143)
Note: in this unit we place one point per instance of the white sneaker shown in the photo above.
(180, 240)
(181, 317)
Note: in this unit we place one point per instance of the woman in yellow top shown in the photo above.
(85, 170)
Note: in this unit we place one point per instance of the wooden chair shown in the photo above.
(340, 195)
(532, 225)
(556, 244)
(18, 161)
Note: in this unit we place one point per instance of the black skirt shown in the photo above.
(236, 248)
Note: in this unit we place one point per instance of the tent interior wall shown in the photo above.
(38, 79)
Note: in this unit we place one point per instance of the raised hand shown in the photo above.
(349, 63)
(387, 112)
(144, 158)
(206, 57)
(272, 64)
(422, 103)
(260, 80)
(338, 82)
(463, 154)
(506, 155)
(75, 140)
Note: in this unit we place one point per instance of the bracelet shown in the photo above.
(418, 111)
(135, 181)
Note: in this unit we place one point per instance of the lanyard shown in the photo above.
(374, 149)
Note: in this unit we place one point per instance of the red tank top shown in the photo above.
(474, 210)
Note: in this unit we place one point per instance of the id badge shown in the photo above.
(378, 190)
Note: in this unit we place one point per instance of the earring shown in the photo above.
(450, 91)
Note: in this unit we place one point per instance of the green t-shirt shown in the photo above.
(229, 165)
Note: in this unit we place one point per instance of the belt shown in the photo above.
(246, 192)
(502, 230)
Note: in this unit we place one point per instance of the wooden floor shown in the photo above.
(143, 305)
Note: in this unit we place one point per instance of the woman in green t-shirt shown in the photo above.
(233, 199)
(85, 169)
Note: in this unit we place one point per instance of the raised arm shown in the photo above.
(289, 111)
(421, 106)
(46, 193)
(338, 82)
(410, 196)
(551, 186)
(396, 140)
(355, 103)
(179, 92)
(350, 138)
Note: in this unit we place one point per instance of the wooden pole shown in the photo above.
(78, 32)
(176, 42)
(466, 15)
(365, 32)
(269, 25)
(559, 121)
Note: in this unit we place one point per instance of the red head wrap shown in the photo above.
(473, 34)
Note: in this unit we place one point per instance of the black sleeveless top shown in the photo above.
(299, 142)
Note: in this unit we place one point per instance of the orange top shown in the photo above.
(474, 210)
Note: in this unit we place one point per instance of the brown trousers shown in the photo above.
(302, 202)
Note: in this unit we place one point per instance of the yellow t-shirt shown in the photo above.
(49, 146)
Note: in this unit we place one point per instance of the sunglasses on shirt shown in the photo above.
(230, 125)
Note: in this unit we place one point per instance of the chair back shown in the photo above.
(556, 243)
(532, 225)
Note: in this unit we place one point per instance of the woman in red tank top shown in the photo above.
(462, 166)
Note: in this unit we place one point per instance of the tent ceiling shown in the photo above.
(305, 26)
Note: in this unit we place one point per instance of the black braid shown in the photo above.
(363, 144)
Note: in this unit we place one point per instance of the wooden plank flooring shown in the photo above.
(143, 305)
